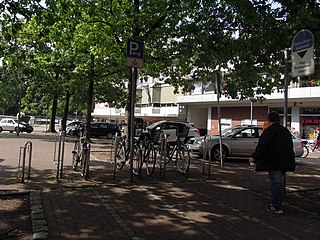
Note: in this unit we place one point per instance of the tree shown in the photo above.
(71, 49)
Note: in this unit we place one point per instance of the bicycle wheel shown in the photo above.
(150, 160)
(160, 155)
(137, 160)
(305, 152)
(76, 155)
(183, 159)
(120, 157)
(161, 152)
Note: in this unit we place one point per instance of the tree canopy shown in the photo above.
(72, 52)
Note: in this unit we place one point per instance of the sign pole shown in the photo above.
(286, 84)
(285, 108)
(135, 59)
(218, 82)
(133, 73)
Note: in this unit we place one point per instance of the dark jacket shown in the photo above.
(275, 149)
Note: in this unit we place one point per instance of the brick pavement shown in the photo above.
(228, 205)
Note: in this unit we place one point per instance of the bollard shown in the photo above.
(27, 148)
(59, 161)
(115, 147)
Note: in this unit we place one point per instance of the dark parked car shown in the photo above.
(107, 129)
(25, 127)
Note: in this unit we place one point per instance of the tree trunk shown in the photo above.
(52, 128)
(90, 96)
(66, 111)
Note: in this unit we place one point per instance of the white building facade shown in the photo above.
(303, 110)
(157, 101)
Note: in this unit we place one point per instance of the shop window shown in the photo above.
(279, 110)
(226, 123)
(249, 122)
(310, 110)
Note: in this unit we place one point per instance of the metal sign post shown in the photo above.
(286, 83)
(132, 129)
(135, 55)
(218, 91)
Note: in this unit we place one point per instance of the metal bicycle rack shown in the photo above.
(163, 140)
(115, 149)
(204, 160)
(59, 153)
(26, 149)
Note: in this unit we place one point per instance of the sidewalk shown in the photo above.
(228, 205)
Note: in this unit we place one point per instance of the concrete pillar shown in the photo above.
(209, 120)
(295, 118)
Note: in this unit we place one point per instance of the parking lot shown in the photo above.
(230, 204)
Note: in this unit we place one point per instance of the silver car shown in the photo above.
(9, 124)
(186, 130)
(239, 141)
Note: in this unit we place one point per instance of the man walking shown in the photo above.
(274, 154)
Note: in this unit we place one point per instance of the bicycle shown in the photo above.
(177, 152)
(147, 145)
(81, 153)
(122, 154)
(161, 151)
(144, 152)
(77, 148)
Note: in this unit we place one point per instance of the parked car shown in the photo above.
(9, 124)
(25, 127)
(97, 129)
(239, 141)
(72, 127)
(108, 129)
(185, 129)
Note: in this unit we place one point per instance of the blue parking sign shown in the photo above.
(135, 49)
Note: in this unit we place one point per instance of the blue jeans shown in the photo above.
(276, 185)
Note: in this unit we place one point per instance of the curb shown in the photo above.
(40, 229)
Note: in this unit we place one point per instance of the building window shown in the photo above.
(156, 94)
(226, 123)
(209, 87)
(249, 122)
(310, 110)
(279, 110)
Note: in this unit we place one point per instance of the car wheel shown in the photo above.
(0, 129)
(215, 153)
(109, 135)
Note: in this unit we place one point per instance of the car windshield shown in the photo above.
(229, 132)
(153, 125)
